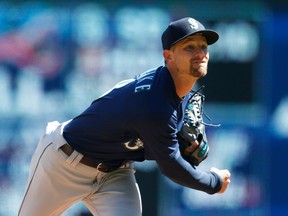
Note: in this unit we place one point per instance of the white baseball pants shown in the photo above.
(57, 181)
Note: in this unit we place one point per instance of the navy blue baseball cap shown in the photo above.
(182, 28)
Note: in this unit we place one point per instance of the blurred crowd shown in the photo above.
(55, 60)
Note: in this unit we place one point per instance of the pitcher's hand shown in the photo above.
(225, 177)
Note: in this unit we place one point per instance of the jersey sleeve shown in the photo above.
(161, 145)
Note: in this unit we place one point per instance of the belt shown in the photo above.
(68, 150)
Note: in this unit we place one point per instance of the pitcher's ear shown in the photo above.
(168, 55)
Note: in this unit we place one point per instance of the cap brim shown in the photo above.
(210, 35)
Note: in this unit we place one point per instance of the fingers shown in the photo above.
(190, 149)
(226, 173)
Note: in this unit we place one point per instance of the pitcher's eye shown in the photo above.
(190, 48)
(204, 47)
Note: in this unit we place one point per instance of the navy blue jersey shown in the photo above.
(138, 120)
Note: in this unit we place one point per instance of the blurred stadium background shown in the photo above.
(57, 56)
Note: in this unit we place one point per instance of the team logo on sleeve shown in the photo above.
(134, 144)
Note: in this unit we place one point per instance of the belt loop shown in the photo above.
(77, 159)
(74, 158)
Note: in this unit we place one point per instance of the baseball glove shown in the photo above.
(192, 134)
